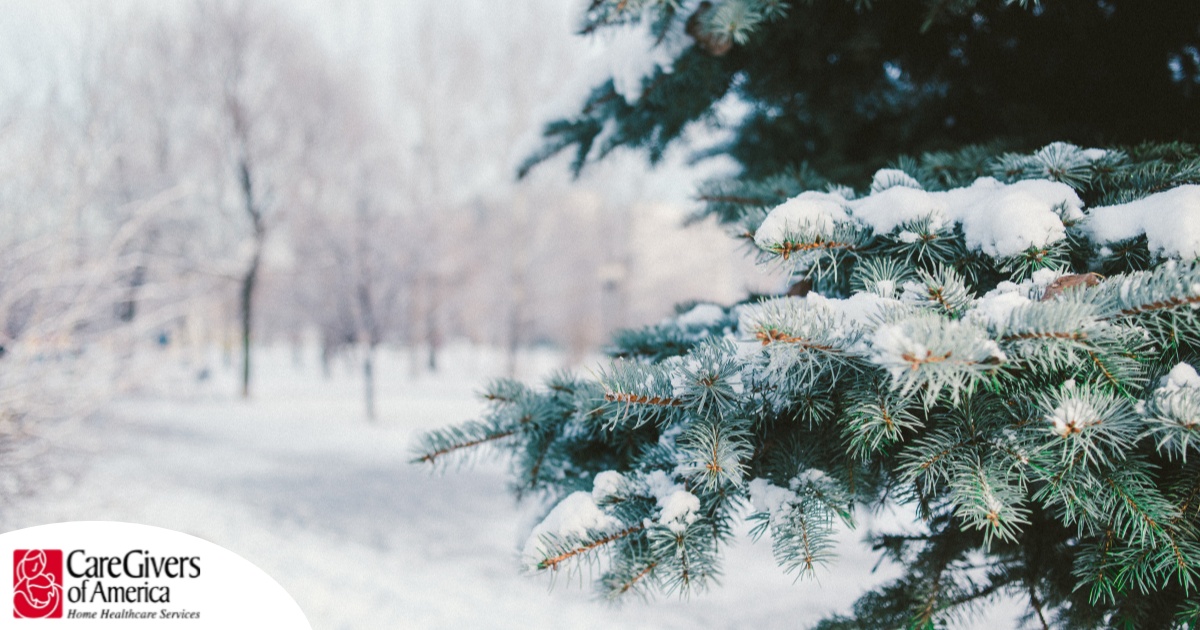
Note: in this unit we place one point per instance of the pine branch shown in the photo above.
(786, 248)
(1036, 604)
(554, 561)
(637, 578)
(1049, 334)
(740, 200)
(769, 336)
(925, 617)
(1158, 305)
(431, 456)
(639, 399)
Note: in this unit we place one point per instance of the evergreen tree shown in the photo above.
(847, 85)
(1003, 341)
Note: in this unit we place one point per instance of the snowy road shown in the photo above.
(327, 504)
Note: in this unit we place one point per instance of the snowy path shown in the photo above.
(298, 484)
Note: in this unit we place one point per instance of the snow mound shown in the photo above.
(1170, 220)
(606, 484)
(808, 211)
(901, 347)
(701, 316)
(678, 508)
(887, 178)
(1180, 376)
(1072, 416)
(573, 517)
(1006, 220)
(995, 307)
(768, 497)
(997, 219)
(891, 208)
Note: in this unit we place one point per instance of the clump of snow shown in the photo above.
(1170, 220)
(862, 308)
(1006, 220)
(768, 497)
(701, 316)
(885, 288)
(660, 484)
(888, 178)
(574, 516)
(997, 305)
(813, 211)
(1180, 376)
(997, 219)
(812, 475)
(1176, 398)
(678, 508)
(914, 292)
(888, 209)
(606, 484)
(1072, 416)
(670, 435)
(894, 349)
(1042, 278)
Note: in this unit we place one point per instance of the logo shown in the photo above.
(99, 572)
(37, 583)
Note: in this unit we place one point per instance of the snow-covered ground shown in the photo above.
(299, 483)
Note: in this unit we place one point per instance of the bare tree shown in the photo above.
(260, 75)
(351, 274)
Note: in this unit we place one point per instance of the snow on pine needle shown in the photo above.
(1173, 412)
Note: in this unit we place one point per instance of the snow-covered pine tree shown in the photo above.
(1003, 342)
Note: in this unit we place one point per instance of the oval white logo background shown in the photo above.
(124, 575)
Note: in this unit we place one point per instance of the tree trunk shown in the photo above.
(435, 341)
(514, 343)
(127, 308)
(250, 278)
(326, 358)
(246, 302)
(433, 330)
(369, 380)
(412, 332)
